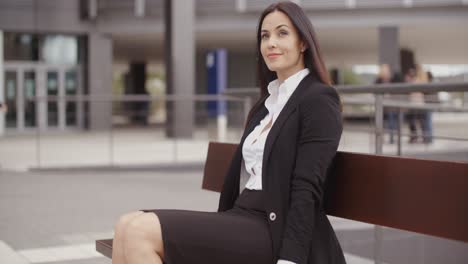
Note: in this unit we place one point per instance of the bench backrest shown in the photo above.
(423, 196)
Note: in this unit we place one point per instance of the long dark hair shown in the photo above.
(312, 55)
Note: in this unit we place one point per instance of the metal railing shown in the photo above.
(378, 103)
(402, 88)
(122, 115)
(74, 146)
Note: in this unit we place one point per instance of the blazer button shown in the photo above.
(272, 216)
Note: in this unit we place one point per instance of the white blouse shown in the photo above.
(254, 144)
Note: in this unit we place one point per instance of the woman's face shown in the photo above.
(281, 47)
(385, 72)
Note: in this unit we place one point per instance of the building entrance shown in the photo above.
(42, 96)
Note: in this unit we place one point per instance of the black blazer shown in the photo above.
(298, 151)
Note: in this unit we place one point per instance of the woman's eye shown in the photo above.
(283, 33)
(264, 36)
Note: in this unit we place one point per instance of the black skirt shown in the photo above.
(239, 235)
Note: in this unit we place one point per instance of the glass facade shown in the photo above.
(29, 84)
(52, 104)
(48, 48)
(71, 88)
(21, 47)
(59, 49)
(10, 95)
(38, 65)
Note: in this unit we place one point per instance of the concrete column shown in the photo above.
(2, 86)
(99, 81)
(389, 47)
(180, 65)
(465, 94)
(82, 81)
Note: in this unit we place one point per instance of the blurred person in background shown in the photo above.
(3, 107)
(416, 117)
(427, 114)
(410, 76)
(385, 76)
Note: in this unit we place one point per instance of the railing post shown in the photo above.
(174, 137)
(111, 135)
(38, 147)
(221, 119)
(400, 124)
(378, 231)
(379, 123)
(465, 78)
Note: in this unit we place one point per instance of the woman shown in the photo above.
(3, 107)
(417, 116)
(385, 76)
(289, 141)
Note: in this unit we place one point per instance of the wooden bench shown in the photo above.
(424, 196)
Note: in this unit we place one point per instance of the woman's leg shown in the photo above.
(412, 126)
(392, 124)
(427, 126)
(143, 240)
(117, 244)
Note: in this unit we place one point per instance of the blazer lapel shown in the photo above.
(288, 109)
(257, 117)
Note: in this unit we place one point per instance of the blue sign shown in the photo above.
(216, 68)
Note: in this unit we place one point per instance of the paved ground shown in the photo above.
(54, 216)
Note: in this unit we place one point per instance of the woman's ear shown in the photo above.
(303, 47)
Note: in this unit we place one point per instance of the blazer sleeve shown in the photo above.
(319, 136)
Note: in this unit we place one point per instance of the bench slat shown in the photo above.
(423, 196)
(104, 247)
(217, 163)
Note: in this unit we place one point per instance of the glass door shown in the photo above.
(29, 98)
(20, 92)
(52, 85)
(71, 90)
(11, 97)
(42, 96)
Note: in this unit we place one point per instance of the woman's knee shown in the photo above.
(144, 228)
(124, 220)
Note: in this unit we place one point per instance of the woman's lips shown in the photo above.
(273, 55)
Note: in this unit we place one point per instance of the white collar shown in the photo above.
(287, 87)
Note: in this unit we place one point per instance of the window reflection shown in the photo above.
(52, 105)
(71, 85)
(29, 96)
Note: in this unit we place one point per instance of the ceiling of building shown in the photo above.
(436, 35)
